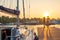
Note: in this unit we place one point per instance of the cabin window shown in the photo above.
(6, 33)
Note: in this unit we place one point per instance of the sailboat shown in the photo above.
(10, 33)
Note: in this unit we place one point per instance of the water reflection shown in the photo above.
(44, 33)
(47, 34)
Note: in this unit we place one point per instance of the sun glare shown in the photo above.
(46, 14)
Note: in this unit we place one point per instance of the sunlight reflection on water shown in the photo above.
(34, 27)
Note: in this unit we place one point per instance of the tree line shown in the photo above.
(6, 19)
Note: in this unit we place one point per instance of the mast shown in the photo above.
(23, 11)
(17, 8)
(17, 5)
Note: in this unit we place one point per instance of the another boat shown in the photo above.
(7, 32)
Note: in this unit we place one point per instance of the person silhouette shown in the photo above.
(35, 36)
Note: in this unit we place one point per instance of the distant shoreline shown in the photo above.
(23, 24)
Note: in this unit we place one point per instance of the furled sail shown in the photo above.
(11, 11)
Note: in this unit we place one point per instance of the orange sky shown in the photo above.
(38, 7)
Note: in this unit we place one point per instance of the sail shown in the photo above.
(11, 11)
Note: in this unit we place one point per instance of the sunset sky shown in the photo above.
(39, 7)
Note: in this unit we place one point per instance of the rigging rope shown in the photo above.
(29, 8)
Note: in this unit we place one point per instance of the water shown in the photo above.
(34, 27)
(51, 33)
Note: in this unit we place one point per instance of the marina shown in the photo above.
(28, 28)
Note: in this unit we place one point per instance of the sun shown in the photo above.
(46, 14)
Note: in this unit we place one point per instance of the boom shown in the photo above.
(11, 11)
